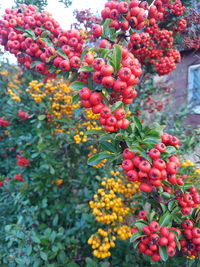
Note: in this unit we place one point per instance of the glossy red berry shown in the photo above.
(85, 93)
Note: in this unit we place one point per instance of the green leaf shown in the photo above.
(55, 220)
(48, 42)
(90, 262)
(117, 105)
(77, 85)
(97, 158)
(138, 124)
(75, 99)
(136, 149)
(165, 220)
(116, 57)
(140, 225)
(105, 264)
(46, 33)
(166, 195)
(163, 253)
(136, 244)
(171, 204)
(86, 69)
(108, 146)
(35, 239)
(135, 237)
(175, 210)
(72, 264)
(41, 117)
(30, 33)
(91, 132)
(62, 256)
(43, 256)
(29, 250)
(62, 54)
(106, 27)
(171, 149)
(164, 207)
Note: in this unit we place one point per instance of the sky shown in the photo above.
(63, 15)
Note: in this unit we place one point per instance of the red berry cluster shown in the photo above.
(152, 105)
(155, 47)
(125, 15)
(151, 172)
(175, 8)
(4, 123)
(23, 115)
(17, 177)
(162, 9)
(191, 245)
(155, 237)
(34, 36)
(189, 200)
(2, 182)
(22, 162)
(119, 85)
(181, 26)
(85, 18)
(111, 122)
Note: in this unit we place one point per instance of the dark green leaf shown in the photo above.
(75, 99)
(86, 69)
(47, 41)
(171, 149)
(97, 158)
(62, 54)
(43, 256)
(108, 146)
(77, 85)
(106, 27)
(165, 220)
(116, 57)
(138, 123)
(163, 253)
(30, 33)
(135, 237)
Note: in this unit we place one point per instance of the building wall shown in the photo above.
(179, 77)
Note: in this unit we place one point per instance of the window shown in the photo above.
(194, 88)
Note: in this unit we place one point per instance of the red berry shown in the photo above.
(163, 241)
(154, 226)
(171, 251)
(119, 113)
(196, 232)
(171, 167)
(164, 231)
(155, 257)
(144, 166)
(124, 74)
(187, 224)
(105, 112)
(154, 174)
(161, 147)
(95, 98)
(132, 175)
(85, 93)
(154, 153)
(127, 165)
(127, 154)
(145, 187)
(107, 70)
